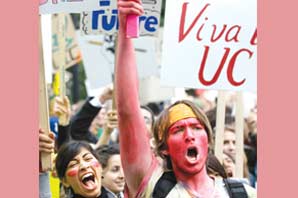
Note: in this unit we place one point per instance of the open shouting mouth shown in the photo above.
(192, 154)
(88, 181)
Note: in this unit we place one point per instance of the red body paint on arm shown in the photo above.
(134, 142)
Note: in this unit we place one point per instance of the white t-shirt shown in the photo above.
(179, 190)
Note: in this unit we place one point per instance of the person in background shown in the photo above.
(112, 174)
(229, 147)
(149, 119)
(62, 110)
(251, 146)
(111, 123)
(81, 122)
(229, 144)
(229, 164)
(98, 123)
(215, 168)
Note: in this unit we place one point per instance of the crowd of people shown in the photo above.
(131, 152)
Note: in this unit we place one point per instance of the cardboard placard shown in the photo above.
(66, 6)
(105, 19)
(211, 44)
(72, 50)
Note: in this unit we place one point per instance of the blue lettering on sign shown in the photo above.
(104, 3)
(107, 22)
(95, 16)
(114, 19)
(149, 23)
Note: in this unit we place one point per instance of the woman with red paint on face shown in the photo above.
(78, 168)
(182, 133)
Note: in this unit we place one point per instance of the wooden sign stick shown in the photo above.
(62, 59)
(115, 58)
(46, 161)
(239, 135)
(220, 124)
(61, 41)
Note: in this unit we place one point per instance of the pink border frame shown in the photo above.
(277, 104)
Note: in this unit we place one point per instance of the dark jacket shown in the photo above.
(102, 195)
(80, 123)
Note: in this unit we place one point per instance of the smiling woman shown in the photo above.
(78, 169)
(112, 174)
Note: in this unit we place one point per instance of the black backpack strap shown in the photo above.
(235, 188)
(164, 185)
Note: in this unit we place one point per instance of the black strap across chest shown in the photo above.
(168, 180)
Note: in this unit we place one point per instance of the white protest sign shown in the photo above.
(105, 19)
(67, 6)
(146, 55)
(211, 44)
(151, 91)
(98, 60)
(72, 53)
(46, 31)
(43, 104)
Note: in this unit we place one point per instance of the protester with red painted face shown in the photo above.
(79, 170)
(182, 134)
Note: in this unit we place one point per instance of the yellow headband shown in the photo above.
(178, 112)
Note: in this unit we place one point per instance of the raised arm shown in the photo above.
(81, 122)
(110, 124)
(134, 143)
(61, 109)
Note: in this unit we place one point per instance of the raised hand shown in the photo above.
(127, 7)
(107, 94)
(111, 120)
(110, 124)
(62, 110)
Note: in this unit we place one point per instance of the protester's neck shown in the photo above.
(199, 182)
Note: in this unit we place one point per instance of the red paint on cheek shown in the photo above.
(72, 172)
(203, 139)
(176, 146)
(95, 164)
(178, 153)
(204, 143)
